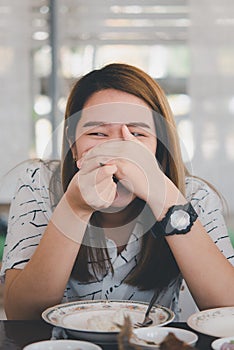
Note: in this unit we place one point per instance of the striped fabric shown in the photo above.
(31, 210)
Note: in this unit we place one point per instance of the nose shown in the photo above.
(116, 131)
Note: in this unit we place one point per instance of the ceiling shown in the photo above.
(109, 22)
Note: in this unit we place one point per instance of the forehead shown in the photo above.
(117, 112)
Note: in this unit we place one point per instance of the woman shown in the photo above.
(129, 220)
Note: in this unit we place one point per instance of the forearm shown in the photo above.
(43, 280)
(208, 273)
(161, 199)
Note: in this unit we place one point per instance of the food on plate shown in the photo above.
(228, 345)
(124, 336)
(109, 323)
(171, 342)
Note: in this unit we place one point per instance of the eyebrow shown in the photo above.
(133, 124)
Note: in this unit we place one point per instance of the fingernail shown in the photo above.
(78, 163)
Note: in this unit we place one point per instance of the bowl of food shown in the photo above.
(153, 337)
(217, 322)
(98, 321)
(226, 343)
(62, 344)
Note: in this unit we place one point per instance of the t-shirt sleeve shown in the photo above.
(29, 214)
(209, 208)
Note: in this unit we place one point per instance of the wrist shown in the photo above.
(160, 200)
(70, 223)
(178, 220)
(83, 212)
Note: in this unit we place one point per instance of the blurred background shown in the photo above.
(186, 45)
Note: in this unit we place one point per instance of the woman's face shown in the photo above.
(102, 118)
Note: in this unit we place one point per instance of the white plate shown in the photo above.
(217, 322)
(216, 344)
(157, 334)
(62, 344)
(93, 320)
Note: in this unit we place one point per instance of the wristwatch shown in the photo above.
(178, 220)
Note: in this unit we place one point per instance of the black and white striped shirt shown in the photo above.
(31, 210)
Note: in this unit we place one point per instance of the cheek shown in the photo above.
(81, 148)
(84, 145)
(152, 145)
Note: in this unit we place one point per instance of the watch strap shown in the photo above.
(165, 228)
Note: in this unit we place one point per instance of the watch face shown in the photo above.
(180, 219)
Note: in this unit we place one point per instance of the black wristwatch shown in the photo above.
(178, 220)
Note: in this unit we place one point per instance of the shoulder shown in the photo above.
(37, 170)
(202, 196)
(209, 207)
(199, 190)
(34, 181)
(36, 174)
(195, 184)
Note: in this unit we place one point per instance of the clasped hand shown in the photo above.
(132, 163)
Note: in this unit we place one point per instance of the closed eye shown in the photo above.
(137, 134)
(97, 134)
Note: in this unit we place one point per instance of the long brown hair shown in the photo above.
(157, 266)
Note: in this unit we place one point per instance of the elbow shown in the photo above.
(15, 312)
(216, 302)
(21, 309)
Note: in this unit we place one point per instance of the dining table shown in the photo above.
(16, 334)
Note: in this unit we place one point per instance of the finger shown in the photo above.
(107, 191)
(94, 165)
(106, 171)
(88, 164)
(102, 194)
(81, 160)
(106, 151)
(79, 163)
(126, 134)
